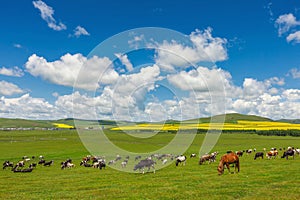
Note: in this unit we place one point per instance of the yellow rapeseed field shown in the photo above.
(240, 125)
(58, 125)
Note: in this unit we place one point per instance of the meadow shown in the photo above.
(258, 179)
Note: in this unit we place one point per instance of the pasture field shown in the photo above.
(258, 179)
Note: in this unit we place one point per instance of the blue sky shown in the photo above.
(255, 46)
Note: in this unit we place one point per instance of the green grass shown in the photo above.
(259, 179)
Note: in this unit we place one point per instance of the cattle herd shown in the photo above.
(28, 164)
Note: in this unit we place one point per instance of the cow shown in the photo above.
(259, 154)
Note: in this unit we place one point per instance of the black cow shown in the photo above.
(288, 153)
(8, 164)
(48, 163)
(144, 163)
(259, 154)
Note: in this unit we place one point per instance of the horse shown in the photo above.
(288, 153)
(180, 159)
(228, 159)
(259, 154)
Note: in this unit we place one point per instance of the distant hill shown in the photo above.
(24, 123)
(292, 121)
(229, 118)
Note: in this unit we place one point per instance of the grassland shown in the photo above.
(258, 179)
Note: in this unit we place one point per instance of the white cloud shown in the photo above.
(294, 37)
(125, 61)
(8, 89)
(204, 48)
(134, 43)
(79, 30)
(252, 88)
(292, 94)
(285, 23)
(73, 69)
(15, 71)
(295, 73)
(18, 46)
(27, 107)
(47, 13)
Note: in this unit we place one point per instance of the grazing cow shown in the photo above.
(180, 159)
(32, 165)
(226, 160)
(259, 154)
(124, 163)
(102, 164)
(213, 156)
(164, 161)
(8, 164)
(22, 170)
(249, 151)
(137, 158)
(111, 162)
(19, 164)
(239, 153)
(288, 153)
(84, 163)
(204, 158)
(67, 164)
(118, 158)
(145, 163)
(297, 151)
(271, 154)
(49, 163)
(193, 155)
(42, 161)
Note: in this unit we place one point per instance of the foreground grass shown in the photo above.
(258, 179)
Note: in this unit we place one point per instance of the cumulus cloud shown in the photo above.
(134, 43)
(204, 48)
(47, 13)
(79, 31)
(295, 73)
(125, 61)
(15, 71)
(73, 70)
(27, 107)
(8, 89)
(294, 37)
(285, 23)
(261, 98)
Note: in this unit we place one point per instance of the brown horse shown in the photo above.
(228, 159)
